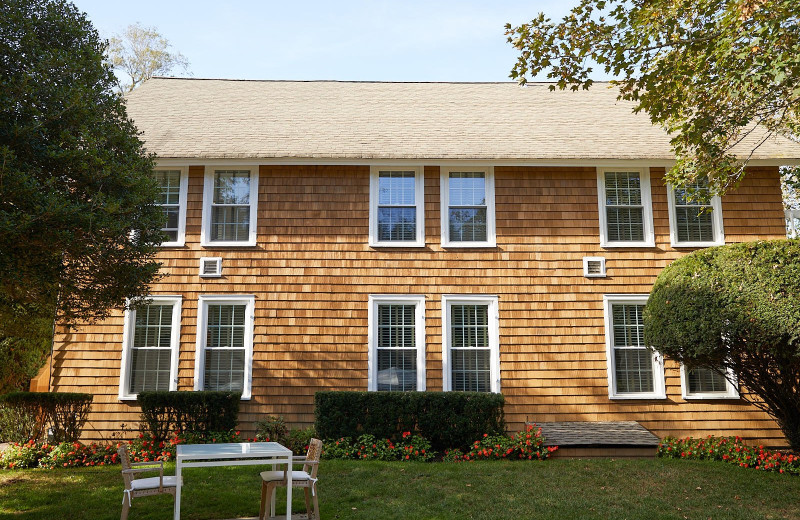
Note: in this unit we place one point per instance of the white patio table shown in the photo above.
(232, 454)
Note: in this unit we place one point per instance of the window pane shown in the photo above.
(169, 181)
(396, 347)
(623, 189)
(467, 189)
(396, 188)
(397, 224)
(471, 372)
(468, 224)
(231, 187)
(470, 351)
(704, 380)
(633, 361)
(230, 223)
(693, 219)
(624, 210)
(224, 370)
(151, 349)
(225, 348)
(625, 224)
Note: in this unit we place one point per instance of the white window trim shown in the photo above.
(659, 391)
(182, 197)
(494, 336)
(202, 321)
(208, 197)
(419, 200)
(127, 338)
(716, 221)
(647, 203)
(444, 189)
(372, 341)
(731, 389)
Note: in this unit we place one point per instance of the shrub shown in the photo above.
(23, 455)
(199, 412)
(367, 447)
(73, 455)
(25, 415)
(299, 439)
(731, 450)
(447, 419)
(525, 445)
(272, 428)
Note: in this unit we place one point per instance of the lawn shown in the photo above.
(587, 489)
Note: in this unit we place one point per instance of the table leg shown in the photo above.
(274, 496)
(289, 490)
(177, 515)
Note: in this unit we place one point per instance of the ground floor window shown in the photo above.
(707, 383)
(471, 354)
(396, 343)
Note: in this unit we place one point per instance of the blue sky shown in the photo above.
(342, 40)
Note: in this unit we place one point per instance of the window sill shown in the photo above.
(711, 397)
(637, 397)
(469, 245)
(683, 245)
(611, 245)
(382, 245)
(251, 243)
(128, 397)
(172, 244)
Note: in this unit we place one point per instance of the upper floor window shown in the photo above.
(230, 204)
(468, 218)
(634, 371)
(397, 200)
(706, 383)
(150, 347)
(695, 216)
(224, 358)
(172, 185)
(471, 348)
(625, 208)
(396, 343)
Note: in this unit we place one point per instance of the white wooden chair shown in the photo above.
(305, 478)
(142, 487)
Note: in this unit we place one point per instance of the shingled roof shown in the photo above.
(227, 119)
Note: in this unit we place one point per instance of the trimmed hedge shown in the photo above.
(24, 416)
(164, 413)
(448, 419)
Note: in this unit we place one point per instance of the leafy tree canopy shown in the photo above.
(736, 307)
(140, 53)
(711, 72)
(78, 223)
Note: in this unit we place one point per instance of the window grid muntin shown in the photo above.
(230, 211)
(169, 182)
(624, 206)
(396, 346)
(470, 348)
(467, 199)
(633, 361)
(225, 347)
(152, 340)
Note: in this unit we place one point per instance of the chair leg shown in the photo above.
(307, 492)
(263, 510)
(126, 505)
(273, 491)
(315, 494)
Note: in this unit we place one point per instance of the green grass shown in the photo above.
(599, 489)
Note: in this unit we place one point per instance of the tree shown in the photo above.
(78, 223)
(737, 308)
(713, 73)
(141, 53)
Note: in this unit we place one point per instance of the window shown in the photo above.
(150, 342)
(396, 214)
(172, 185)
(225, 344)
(706, 383)
(695, 223)
(626, 212)
(396, 343)
(230, 200)
(468, 207)
(634, 371)
(471, 357)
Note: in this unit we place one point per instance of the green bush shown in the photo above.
(367, 447)
(164, 413)
(446, 419)
(25, 415)
(272, 428)
(299, 440)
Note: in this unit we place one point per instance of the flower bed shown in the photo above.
(525, 445)
(367, 447)
(731, 450)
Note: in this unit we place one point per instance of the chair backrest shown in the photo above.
(313, 454)
(125, 460)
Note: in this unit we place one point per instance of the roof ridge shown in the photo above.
(363, 81)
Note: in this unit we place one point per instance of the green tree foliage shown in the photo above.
(78, 223)
(710, 72)
(736, 307)
(140, 53)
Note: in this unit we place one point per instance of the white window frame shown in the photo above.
(202, 322)
(731, 389)
(419, 335)
(647, 213)
(208, 198)
(659, 391)
(448, 300)
(716, 221)
(182, 197)
(419, 202)
(127, 339)
(444, 189)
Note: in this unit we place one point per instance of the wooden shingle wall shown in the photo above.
(312, 272)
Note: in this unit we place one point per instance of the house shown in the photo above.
(416, 236)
